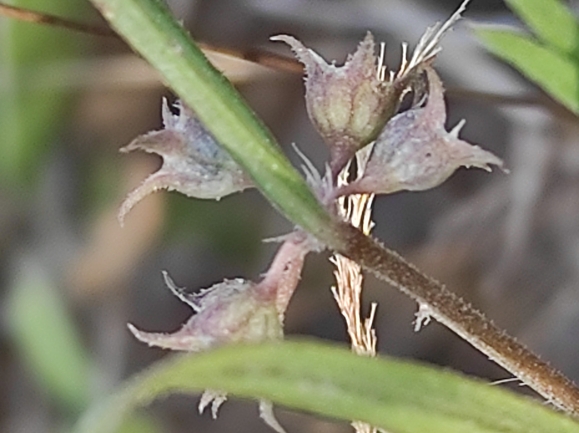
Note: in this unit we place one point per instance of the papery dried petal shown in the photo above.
(194, 163)
(414, 152)
(347, 104)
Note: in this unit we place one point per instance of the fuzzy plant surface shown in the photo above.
(215, 146)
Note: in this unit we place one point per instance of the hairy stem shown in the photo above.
(460, 317)
(151, 31)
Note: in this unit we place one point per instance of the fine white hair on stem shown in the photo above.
(423, 316)
(507, 380)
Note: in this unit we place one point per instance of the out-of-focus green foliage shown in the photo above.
(46, 335)
(140, 423)
(47, 338)
(32, 103)
(395, 395)
(550, 56)
(552, 22)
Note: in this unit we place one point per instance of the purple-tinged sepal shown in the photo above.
(194, 163)
(347, 104)
(414, 152)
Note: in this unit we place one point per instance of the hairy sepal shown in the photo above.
(414, 152)
(194, 163)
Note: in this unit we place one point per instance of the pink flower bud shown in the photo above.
(193, 161)
(348, 104)
(414, 152)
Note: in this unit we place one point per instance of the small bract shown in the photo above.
(232, 311)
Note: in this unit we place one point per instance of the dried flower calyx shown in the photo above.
(237, 311)
(233, 311)
(229, 312)
(347, 104)
(414, 152)
(194, 163)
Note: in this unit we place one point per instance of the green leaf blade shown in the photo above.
(331, 381)
(552, 22)
(558, 75)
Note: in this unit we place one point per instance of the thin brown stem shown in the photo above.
(30, 16)
(265, 58)
(460, 317)
(261, 57)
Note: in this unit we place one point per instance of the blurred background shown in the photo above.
(71, 277)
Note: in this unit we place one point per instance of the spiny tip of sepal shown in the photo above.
(213, 398)
(267, 415)
(194, 163)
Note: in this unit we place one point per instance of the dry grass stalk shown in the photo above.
(356, 209)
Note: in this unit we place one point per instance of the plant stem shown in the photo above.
(284, 272)
(152, 32)
(150, 29)
(461, 318)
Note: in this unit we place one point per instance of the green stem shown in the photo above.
(150, 29)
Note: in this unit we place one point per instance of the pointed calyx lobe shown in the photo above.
(414, 151)
(232, 311)
(194, 163)
(347, 104)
